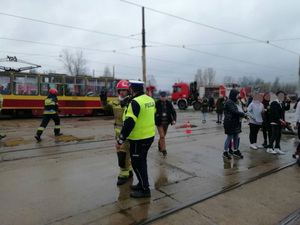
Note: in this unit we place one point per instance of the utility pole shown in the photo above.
(144, 48)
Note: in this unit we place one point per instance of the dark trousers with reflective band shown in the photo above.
(138, 153)
(45, 121)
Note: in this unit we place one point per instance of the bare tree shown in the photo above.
(74, 63)
(199, 77)
(275, 87)
(228, 80)
(151, 81)
(209, 76)
(107, 72)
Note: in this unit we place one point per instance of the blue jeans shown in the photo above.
(204, 115)
(235, 141)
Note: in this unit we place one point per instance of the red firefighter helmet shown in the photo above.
(123, 85)
(53, 91)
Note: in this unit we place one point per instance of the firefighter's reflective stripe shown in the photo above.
(124, 173)
(41, 128)
(50, 106)
(118, 128)
(145, 124)
(57, 127)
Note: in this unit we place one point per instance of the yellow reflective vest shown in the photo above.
(144, 123)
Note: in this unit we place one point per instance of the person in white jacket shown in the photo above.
(255, 110)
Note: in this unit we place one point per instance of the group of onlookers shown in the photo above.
(266, 112)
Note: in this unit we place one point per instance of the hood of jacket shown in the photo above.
(232, 95)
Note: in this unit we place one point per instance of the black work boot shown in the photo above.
(38, 135)
(136, 187)
(122, 180)
(2, 136)
(140, 194)
(57, 132)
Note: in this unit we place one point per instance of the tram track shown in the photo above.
(98, 144)
(290, 220)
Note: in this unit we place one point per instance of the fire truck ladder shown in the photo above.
(14, 59)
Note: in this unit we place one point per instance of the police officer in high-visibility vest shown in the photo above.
(50, 112)
(139, 129)
(119, 107)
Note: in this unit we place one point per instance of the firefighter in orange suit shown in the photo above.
(50, 112)
(119, 108)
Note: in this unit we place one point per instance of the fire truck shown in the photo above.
(185, 95)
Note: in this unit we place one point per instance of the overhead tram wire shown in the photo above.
(214, 28)
(68, 26)
(42, 43)
(115, 51)
(155, 59)
(170, 45)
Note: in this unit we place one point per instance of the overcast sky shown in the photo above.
(182, 36)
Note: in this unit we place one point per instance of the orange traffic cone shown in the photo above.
(232, 144)
(188, 128)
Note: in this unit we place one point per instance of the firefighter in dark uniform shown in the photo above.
(139, 129)
(50, 112)
(119, 107)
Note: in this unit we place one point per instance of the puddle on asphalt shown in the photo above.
(72, 138)
(16, 143)
(185, 126)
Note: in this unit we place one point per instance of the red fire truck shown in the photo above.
(185, 95)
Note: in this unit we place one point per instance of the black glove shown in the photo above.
(103, 94)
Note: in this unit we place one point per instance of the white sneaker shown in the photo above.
(253, 146)
(277, 150)
(258, 146)
(271, 151)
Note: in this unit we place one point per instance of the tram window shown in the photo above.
(74, 86)
(5, 84)
(94, 87)
(25, 85)
(51, 82)
(111, 88)
(80, 87)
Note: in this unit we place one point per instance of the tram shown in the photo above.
(24, 93)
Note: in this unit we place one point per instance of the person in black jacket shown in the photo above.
(220, 108)
(204, 108)
(165, 115)
(277, 121)
(232, 124)
(266, 125)
(211, 103)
